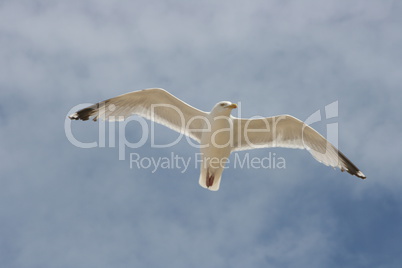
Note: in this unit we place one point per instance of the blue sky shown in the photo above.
(63, 206)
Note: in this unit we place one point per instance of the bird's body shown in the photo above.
(217, 132)
(216, 145)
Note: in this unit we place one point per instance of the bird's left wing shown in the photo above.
(289, 132)
(154, 104)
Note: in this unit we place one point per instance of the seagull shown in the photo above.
(218, 132)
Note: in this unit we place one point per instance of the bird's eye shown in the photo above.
(222, 104)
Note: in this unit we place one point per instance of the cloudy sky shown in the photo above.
(64, 206)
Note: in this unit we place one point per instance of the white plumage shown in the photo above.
(217, 131)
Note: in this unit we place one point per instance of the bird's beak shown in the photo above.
(232, 106)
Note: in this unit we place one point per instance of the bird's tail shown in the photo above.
(210, 179)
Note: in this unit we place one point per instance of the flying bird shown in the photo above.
(218, 132)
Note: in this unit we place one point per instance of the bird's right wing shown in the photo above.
(154, 104)
(289, 132)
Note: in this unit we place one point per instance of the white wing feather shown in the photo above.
(289, 132)
(155, 104)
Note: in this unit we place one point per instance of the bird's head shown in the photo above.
(224, 107)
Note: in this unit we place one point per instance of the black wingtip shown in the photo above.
(350, 167)
(360, 175)
(83, 114)
(357, 173)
